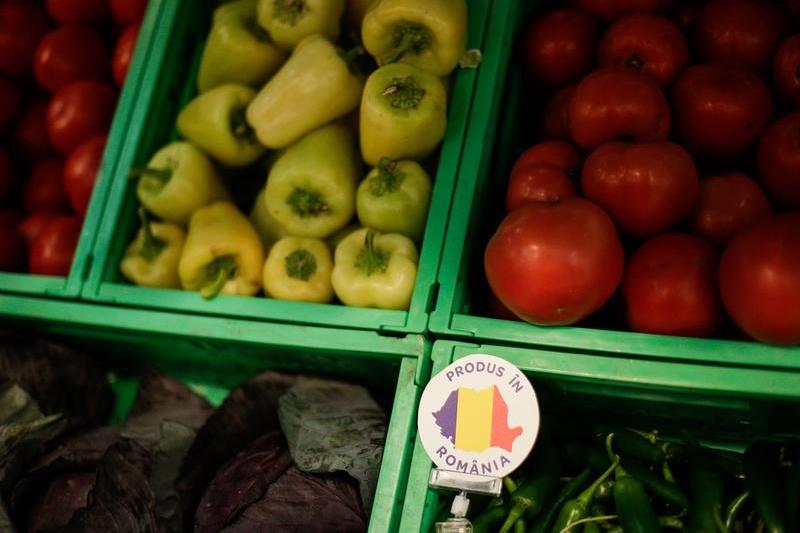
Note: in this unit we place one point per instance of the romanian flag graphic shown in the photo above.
(475, 420)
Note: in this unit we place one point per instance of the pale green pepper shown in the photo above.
(215, 122)
(403, 114)
(238, 50)
(151, 260)
(299, 269)
(375, 270)
(314, 87)
(394, 198)
(290, 21)
(429, 34)
(223, 254)
(265, 224)
(311, 187)
(178, 181)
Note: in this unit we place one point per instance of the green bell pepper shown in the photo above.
(237, 49)
(265, 224)
(152, 258)
(223, 253)
(215, 122)
(314, 87)
(394, 198)
(429, 34)
(403, 114)
(375, 270)
(178, 181)
(290, 21)
(311, 187)
(299, 269)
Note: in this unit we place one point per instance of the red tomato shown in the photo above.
(726, 205)
(11, 97)
(759, 278)
(613, 9)
(720, 109)
(555, 118)
(612, 103)
(744, 31)
(6, 175)
(10, 218)
(68, 54)
(29, 137)
(646, 43)
(544, 173)
(78, 112)
(646, 188)
(786, 70)
(556, 153)
(685, 14)
(127, 12)
(44, 188)
(555, 263)
(77, 11)
(779, 160)
(32, 226)
(123, 53)
(670, 287)
(21, 27)
(80, 172)
(12, 253)
(52, 250)
(559, 46)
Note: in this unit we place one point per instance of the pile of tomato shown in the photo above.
(62, 63)
(668, 170)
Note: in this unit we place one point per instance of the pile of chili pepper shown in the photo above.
(623, 480)
(336, 109)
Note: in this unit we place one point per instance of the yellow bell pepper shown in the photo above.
(375, 270)
(178, 180)
(152, 258)
(237, 49)
(403, 114)
(311, 188)
(265, 224)
(299, 269)
(429, 34)
(314, 87)
(290, 21)
(223, 253)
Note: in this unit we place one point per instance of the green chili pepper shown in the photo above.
(705, 483)
(733, 509)
(630, 499)
(762, 468)
(578, 508)
(569, 491)
(509, 484)
(520, 526)
(529, 499)
(489, 520)
(628, 443)
(664, 490)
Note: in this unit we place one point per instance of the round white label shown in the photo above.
(479, 416)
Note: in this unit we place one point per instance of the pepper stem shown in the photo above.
(152, 246)
(592, 520)
(514, 514)
(408, 38)
(238, 123)
(671, 522)
(388, 179)
(404, 93)
(218, 272)
(371, 259)
(153, 179)
(586, 496)
(288, 11)
(509, 484)
(300, 264)
(615, 459)
(307, 203)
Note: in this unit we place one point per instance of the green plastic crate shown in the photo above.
(214, 355)
(725, 406)
(70, 286)
(168, 83)
(500, 129)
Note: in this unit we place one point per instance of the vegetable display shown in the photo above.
(62, 66)
(619, 479)
(335, 122)
(679, 124)
(282, 452)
